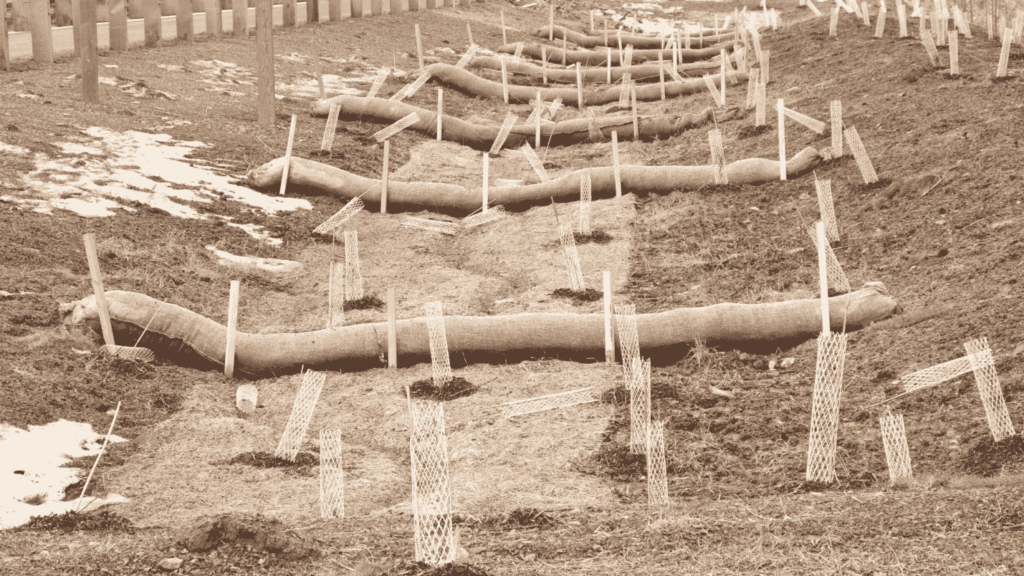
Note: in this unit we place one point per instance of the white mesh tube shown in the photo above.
(717, 155)
(302, 413)
(897, 452)
(585, 202)
(867, 170)
(330, 128)
(397, 127)
(538, 166)
(827, 209)
(836, 277)
(828, 387)
(439, 361)
(449, 228)
(811, 124)
(548, 402)
(431, 492)
(989, 388)
(378, 81)
(935, 375)
(349, 210)
(493, 214)
(572, 257)
(657, 478)
(836, 117)
(332, 475)
(639, 406)
(353, 275)
(506, 127)
(629, 340)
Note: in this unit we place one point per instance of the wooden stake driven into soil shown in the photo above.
(469, 33)
(384, 179)
(487, 158)
(504, 32)
(90, 59)
(78, 505)
(609, 340)
(615, 163)
(782, 139)
(288, 154)
(97, 287)
(419, 46)
(579, 86)
(504, 80)
(440, 111)
(229, 348)
(264, 61)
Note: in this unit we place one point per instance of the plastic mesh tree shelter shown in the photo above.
(397, 127)
(548, 402)
(629, 339)
(506, 128)
(988, 386)
(440, 363)
(836, 118)
(657, 478)
(349, 210)
(836, 277)
(639, 405)
(585, 203)
(867, 170)
(336, 296)
(431, 495)
(493, 214)
(828, 387)
(302, 413)
(897, 452)
(353, 274)
(827, 209)
(572, 257)
(378, 81)
(439, 226)
(935, 375)
(332, 476)
(717, 155)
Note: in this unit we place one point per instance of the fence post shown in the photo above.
(396, 6)
(184, 19)
(240, 18)
(62, 13)
(313, 11)
(42, 36)
(287, 13)
(214, 24)
(90, 60)
(356, 8)
(118, 25)
(265, 61)
(414, 5)
(5, 54)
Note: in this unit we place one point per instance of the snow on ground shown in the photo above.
(107, 170)
(32, 482)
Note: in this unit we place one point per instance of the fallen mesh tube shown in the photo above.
(455, 199)
(638, 42)
(665, 336)
(600, 57)
(465, 81)
(561, 133)
(596, 74)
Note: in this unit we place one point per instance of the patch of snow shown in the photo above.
(30, 466)
(12, 149)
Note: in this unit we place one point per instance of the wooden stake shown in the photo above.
(440, 111)
(504, 32)
(229, 349)
(551, 22)
(97, 287)
(661, 75)
(384, 179)
(288, 155)
(725, 63)
(954, 54)
(90, 59)
(118, 25)
(5, 47)
(392, 331)
(636, 121)
(609, 339)
(184, 20)
(419, 46)
(1004, 54)
(544, 62)
(240, 18)
(469, 32)
(782, 140)
(486, 181)
(591, 21)
(609, 62)
(823, 277)
(565, 48)
(579, 86)
(615, 163)
(504, 79)
(265, 61)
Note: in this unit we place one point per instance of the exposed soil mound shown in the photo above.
(244, 533)
(368, 302)
(101, 521)
(595, 236)
(426, 390)
(588, 295)
(303, 464)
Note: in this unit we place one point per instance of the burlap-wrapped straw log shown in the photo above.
(481, 137)
(469, 83)
(600, 57)
(180, 335)
(599, 74)
(455, 199)
(710, 36)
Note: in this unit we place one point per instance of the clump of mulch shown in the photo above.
(518, 518)
(751, 131)
(303, 464)
(617, 396)
(410, 568)
(369, 302)
(588, 295)
(987, 457)
(877, 184)
(426, 390)
(595, 237)
(245, 532)
(102, 521)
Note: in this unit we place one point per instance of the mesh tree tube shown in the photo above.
(594, 74)
(189, 338)
(482, 137)
(439, 359)
(600, 58)
(455, 199)
(332, 476)
(828, 388)
(988, 386)
(897, 452)
(431, 493)
(302, 413)
(657, 478)
(652, 42)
